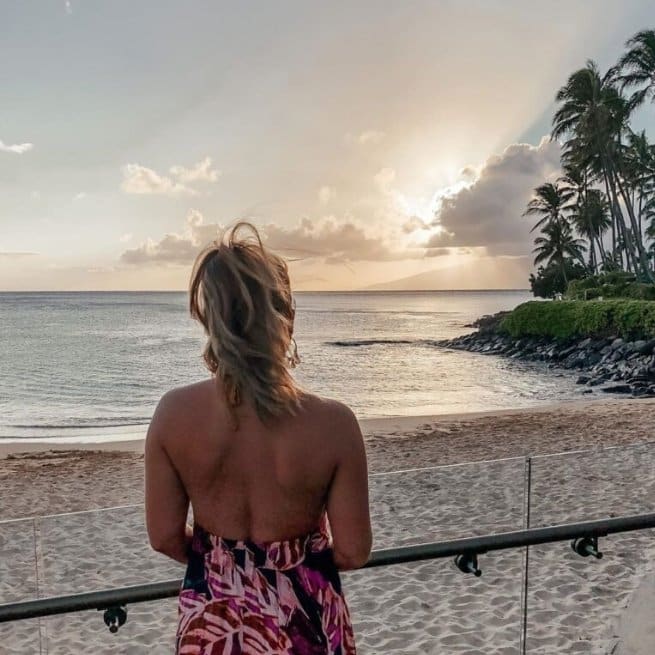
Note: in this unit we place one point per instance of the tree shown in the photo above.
(548, 203)
(637, 67)
(639, 170)
(594, 115)
(558, 246)
(591, 220)
(549, 281)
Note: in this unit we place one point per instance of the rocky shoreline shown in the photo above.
(610, 364)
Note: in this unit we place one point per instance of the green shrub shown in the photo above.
(629, 319)
(549, 280)
(617, 284)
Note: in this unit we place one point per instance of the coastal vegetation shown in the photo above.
(627, 319)
(594, 240)
(599, 215)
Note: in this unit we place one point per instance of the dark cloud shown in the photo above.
(489, 211)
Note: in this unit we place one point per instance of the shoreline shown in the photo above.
(608, 364)
(131, 443)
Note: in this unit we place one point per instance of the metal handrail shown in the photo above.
(466, 550)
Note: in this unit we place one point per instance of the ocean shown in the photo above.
(84, 366)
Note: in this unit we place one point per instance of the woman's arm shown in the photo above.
(167, 503)
(347, 506)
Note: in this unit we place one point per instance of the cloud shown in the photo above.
(68, 6)
(17, 148)
(16, 255)
(482, 215)
(79, 196)
(141, 180)
(333, 241)
(330, 240)
(325, 194)
(124, 238)
(489, 211)
(370, 137)
(138, 179)
(442, 252)
(384, 179)
(414, 223)
(201, 172)
(172, 249)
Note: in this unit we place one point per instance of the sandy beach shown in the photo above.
(430, 480)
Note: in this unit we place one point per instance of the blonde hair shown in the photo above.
(240, 293)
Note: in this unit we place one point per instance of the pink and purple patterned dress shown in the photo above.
(277, 598)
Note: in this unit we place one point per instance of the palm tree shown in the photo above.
(639, 170)
(591, 220)
(637, 66)
(594, 115)
(558, 246)
(548, 203)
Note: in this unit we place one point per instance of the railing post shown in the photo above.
(527, 496)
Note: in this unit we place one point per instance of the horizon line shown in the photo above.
(6, 291)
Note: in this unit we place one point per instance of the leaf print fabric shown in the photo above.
(276, 598)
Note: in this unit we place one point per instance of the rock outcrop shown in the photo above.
(611, 365)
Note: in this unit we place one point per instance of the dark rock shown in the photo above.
(592, 359)
(583, 379)
(647, 348)
(617, 388)
(643, 392)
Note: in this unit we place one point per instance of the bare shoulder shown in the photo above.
(333, 417)
(177, 407)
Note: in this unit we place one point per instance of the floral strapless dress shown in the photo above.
(277, 598)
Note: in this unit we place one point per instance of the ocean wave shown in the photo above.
(79, 423)
(357, 343)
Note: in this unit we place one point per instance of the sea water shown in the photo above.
(95, 364)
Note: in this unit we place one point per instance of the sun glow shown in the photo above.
(427, 208)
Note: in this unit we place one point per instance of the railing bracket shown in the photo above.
(468, 563)
(586, 546)
(115, 617)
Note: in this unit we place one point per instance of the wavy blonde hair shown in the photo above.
(241, 294)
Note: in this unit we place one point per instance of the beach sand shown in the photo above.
(575, 605)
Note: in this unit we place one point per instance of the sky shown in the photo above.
(374, 143)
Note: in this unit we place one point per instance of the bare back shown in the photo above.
(267, 482)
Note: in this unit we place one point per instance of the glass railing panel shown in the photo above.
(104, 549)
(448, 502)
(575, 603)
(18, 582)
(431, 607)
(593, 484)
(150, 629)
(101, 549)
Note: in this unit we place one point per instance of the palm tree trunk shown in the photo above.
(627, 241)
(637, 244)
(601, 249)
(612, 212)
